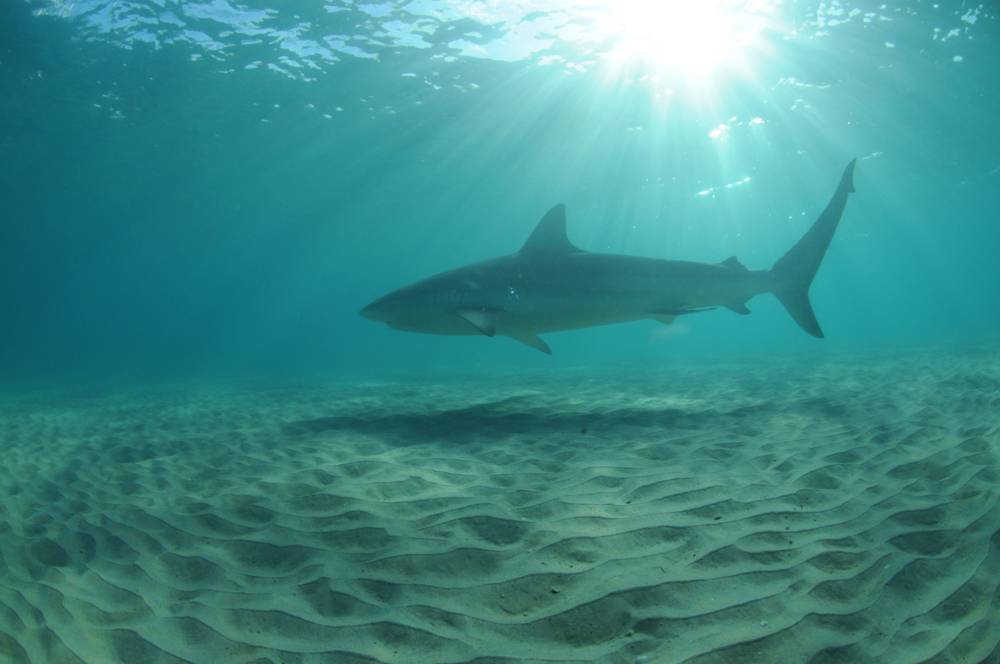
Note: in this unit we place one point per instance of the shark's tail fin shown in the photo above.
(794, 273)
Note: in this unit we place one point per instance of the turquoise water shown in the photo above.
(198, 189)
(210, 456)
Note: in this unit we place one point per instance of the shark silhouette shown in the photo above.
(551, 285)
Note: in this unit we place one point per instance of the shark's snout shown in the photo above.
(414, 309)
(384, 309)
(373, 312)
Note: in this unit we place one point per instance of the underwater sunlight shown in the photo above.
(509, 331)
(692, 41)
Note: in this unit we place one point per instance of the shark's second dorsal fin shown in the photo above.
(549, 236)
(734, 263)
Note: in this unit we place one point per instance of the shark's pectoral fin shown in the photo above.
(738, 307)
(666, 319)
(532, 340)
(484, 320)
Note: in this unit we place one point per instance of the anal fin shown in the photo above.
(532, 340)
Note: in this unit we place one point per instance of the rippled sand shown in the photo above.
(837, 512)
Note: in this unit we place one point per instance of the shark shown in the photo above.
(551, 285)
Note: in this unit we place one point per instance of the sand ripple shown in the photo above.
(837, 512)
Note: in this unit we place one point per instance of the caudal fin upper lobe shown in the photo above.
(794, 272)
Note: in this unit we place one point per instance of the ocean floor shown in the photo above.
(842, 511)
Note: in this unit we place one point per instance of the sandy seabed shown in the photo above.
(843, 511)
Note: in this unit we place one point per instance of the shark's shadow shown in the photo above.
(518, 416)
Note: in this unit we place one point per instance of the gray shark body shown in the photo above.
(550, 285)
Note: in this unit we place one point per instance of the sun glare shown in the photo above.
(690, 39)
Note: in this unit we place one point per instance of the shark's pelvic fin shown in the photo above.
(794, 272)
(532, 340)
(549, 236)
(484, 320)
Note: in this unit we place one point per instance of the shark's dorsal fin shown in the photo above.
(549, 236)
(734, 263)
